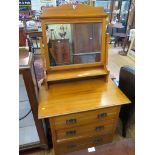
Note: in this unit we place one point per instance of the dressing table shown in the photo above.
(79, 99)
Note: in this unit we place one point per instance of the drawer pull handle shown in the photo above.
(71, 133)
(71, 121)
(99, 140)
(99, 128)
(101, 115)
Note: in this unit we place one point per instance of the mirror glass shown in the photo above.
(70, 44)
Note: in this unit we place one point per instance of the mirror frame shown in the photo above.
(87, 17)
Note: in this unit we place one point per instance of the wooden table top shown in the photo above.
(25, 58)
(79, 96)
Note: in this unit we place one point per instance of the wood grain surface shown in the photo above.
(72, 97)
(75, 73)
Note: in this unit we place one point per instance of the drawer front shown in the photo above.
(82, 143)
(82, 118)
(85, 130)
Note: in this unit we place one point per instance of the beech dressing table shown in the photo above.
(81, 113)
(79, 99)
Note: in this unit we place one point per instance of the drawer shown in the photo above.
(72, 120)
(82, 143)
(85, 130)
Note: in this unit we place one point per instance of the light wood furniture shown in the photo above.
(82, 104)
(26, 69)
(82, 113)
(77, 15)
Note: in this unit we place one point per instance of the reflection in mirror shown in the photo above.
(70, 44)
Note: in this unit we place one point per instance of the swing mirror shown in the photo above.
(78, 43)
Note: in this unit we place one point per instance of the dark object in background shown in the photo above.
(22, 37)
(60, 51)
(127, 85)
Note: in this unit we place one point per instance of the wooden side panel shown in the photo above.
(103, 41)
(43, 25)
(42, 53)
(52, 126)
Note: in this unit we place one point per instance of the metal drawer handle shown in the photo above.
(71, 121)
(99, 140)
(99, 128)
(71, 133)
(101, 115)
